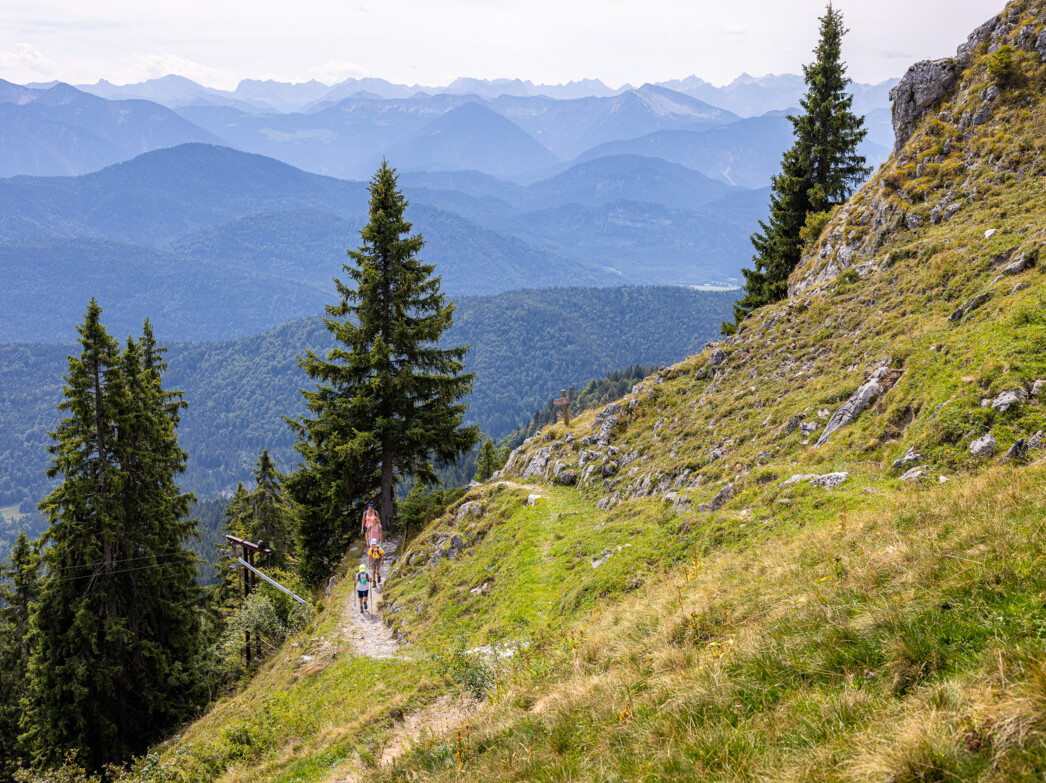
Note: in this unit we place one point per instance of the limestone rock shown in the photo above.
(910, 458)
(532, 500)
(471, 509)
(981, 35)
(872, 390)
(456, 544)
(1005, 401)
(791, 426)
(983, 446)
(970, 306)
(1035, 442)
(539, 461)
(1018, 451)
(827, 481)
(830, 480)
(566, 478)
(1024, 262)
(723, 497)
(717, 358)
(915, 474)
(922, 88)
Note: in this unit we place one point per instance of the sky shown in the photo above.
(432, 42)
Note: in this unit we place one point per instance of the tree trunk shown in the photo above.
(386, 484)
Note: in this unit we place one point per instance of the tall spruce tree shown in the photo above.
(269, 516)
(387, 404)
(115, 632)
(819, 172)
(19, 587)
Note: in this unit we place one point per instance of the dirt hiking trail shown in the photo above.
(367, 633)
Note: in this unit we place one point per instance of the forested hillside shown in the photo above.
(526, 345)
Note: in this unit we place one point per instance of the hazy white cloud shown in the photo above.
(25, 63)
(421, 41)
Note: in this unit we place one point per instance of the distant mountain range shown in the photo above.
(515, 135)
(510, 186)
(746, 96)
(60, 130)
(213, 243)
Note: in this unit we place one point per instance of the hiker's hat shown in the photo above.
(374, 541)
(362, 568)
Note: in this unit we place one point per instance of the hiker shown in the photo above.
(371, 527)
(363, 587)
(376, 555)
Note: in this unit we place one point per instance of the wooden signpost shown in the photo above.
(564, 403)
(248, 581)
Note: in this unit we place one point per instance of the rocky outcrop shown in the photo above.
(876, 386)
(827, 480)
(970, 306)
(983, 446)
(922, 88)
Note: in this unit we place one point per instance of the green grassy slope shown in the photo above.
(866, 627)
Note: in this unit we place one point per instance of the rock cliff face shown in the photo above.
(948, 116)
(921, 89)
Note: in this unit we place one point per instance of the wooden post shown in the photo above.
(246, 592)
(564, 403)
(248, 581)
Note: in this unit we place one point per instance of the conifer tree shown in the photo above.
(19, 587)
(486, 465)
(115, 630)
(388, 400)
(270, 517)
(819, 172)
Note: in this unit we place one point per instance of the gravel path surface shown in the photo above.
(365, 630)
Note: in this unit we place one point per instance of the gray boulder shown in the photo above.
(910, 458)
(921, 89)
(983, 446)
(1035, 442)
(1005, 401)
(970, 306)
(1018, 452)
(724, 496)
(830, 480)
(718, 357)
(827, 481)
(859, 401)
(915, 474)
(1024, 262)
(566, 478)
(790, 426)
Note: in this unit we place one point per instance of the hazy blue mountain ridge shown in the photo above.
(61, 131)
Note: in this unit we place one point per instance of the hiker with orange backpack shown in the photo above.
(376, 556)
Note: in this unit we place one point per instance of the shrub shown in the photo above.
(814, 227)
(1001, 67)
